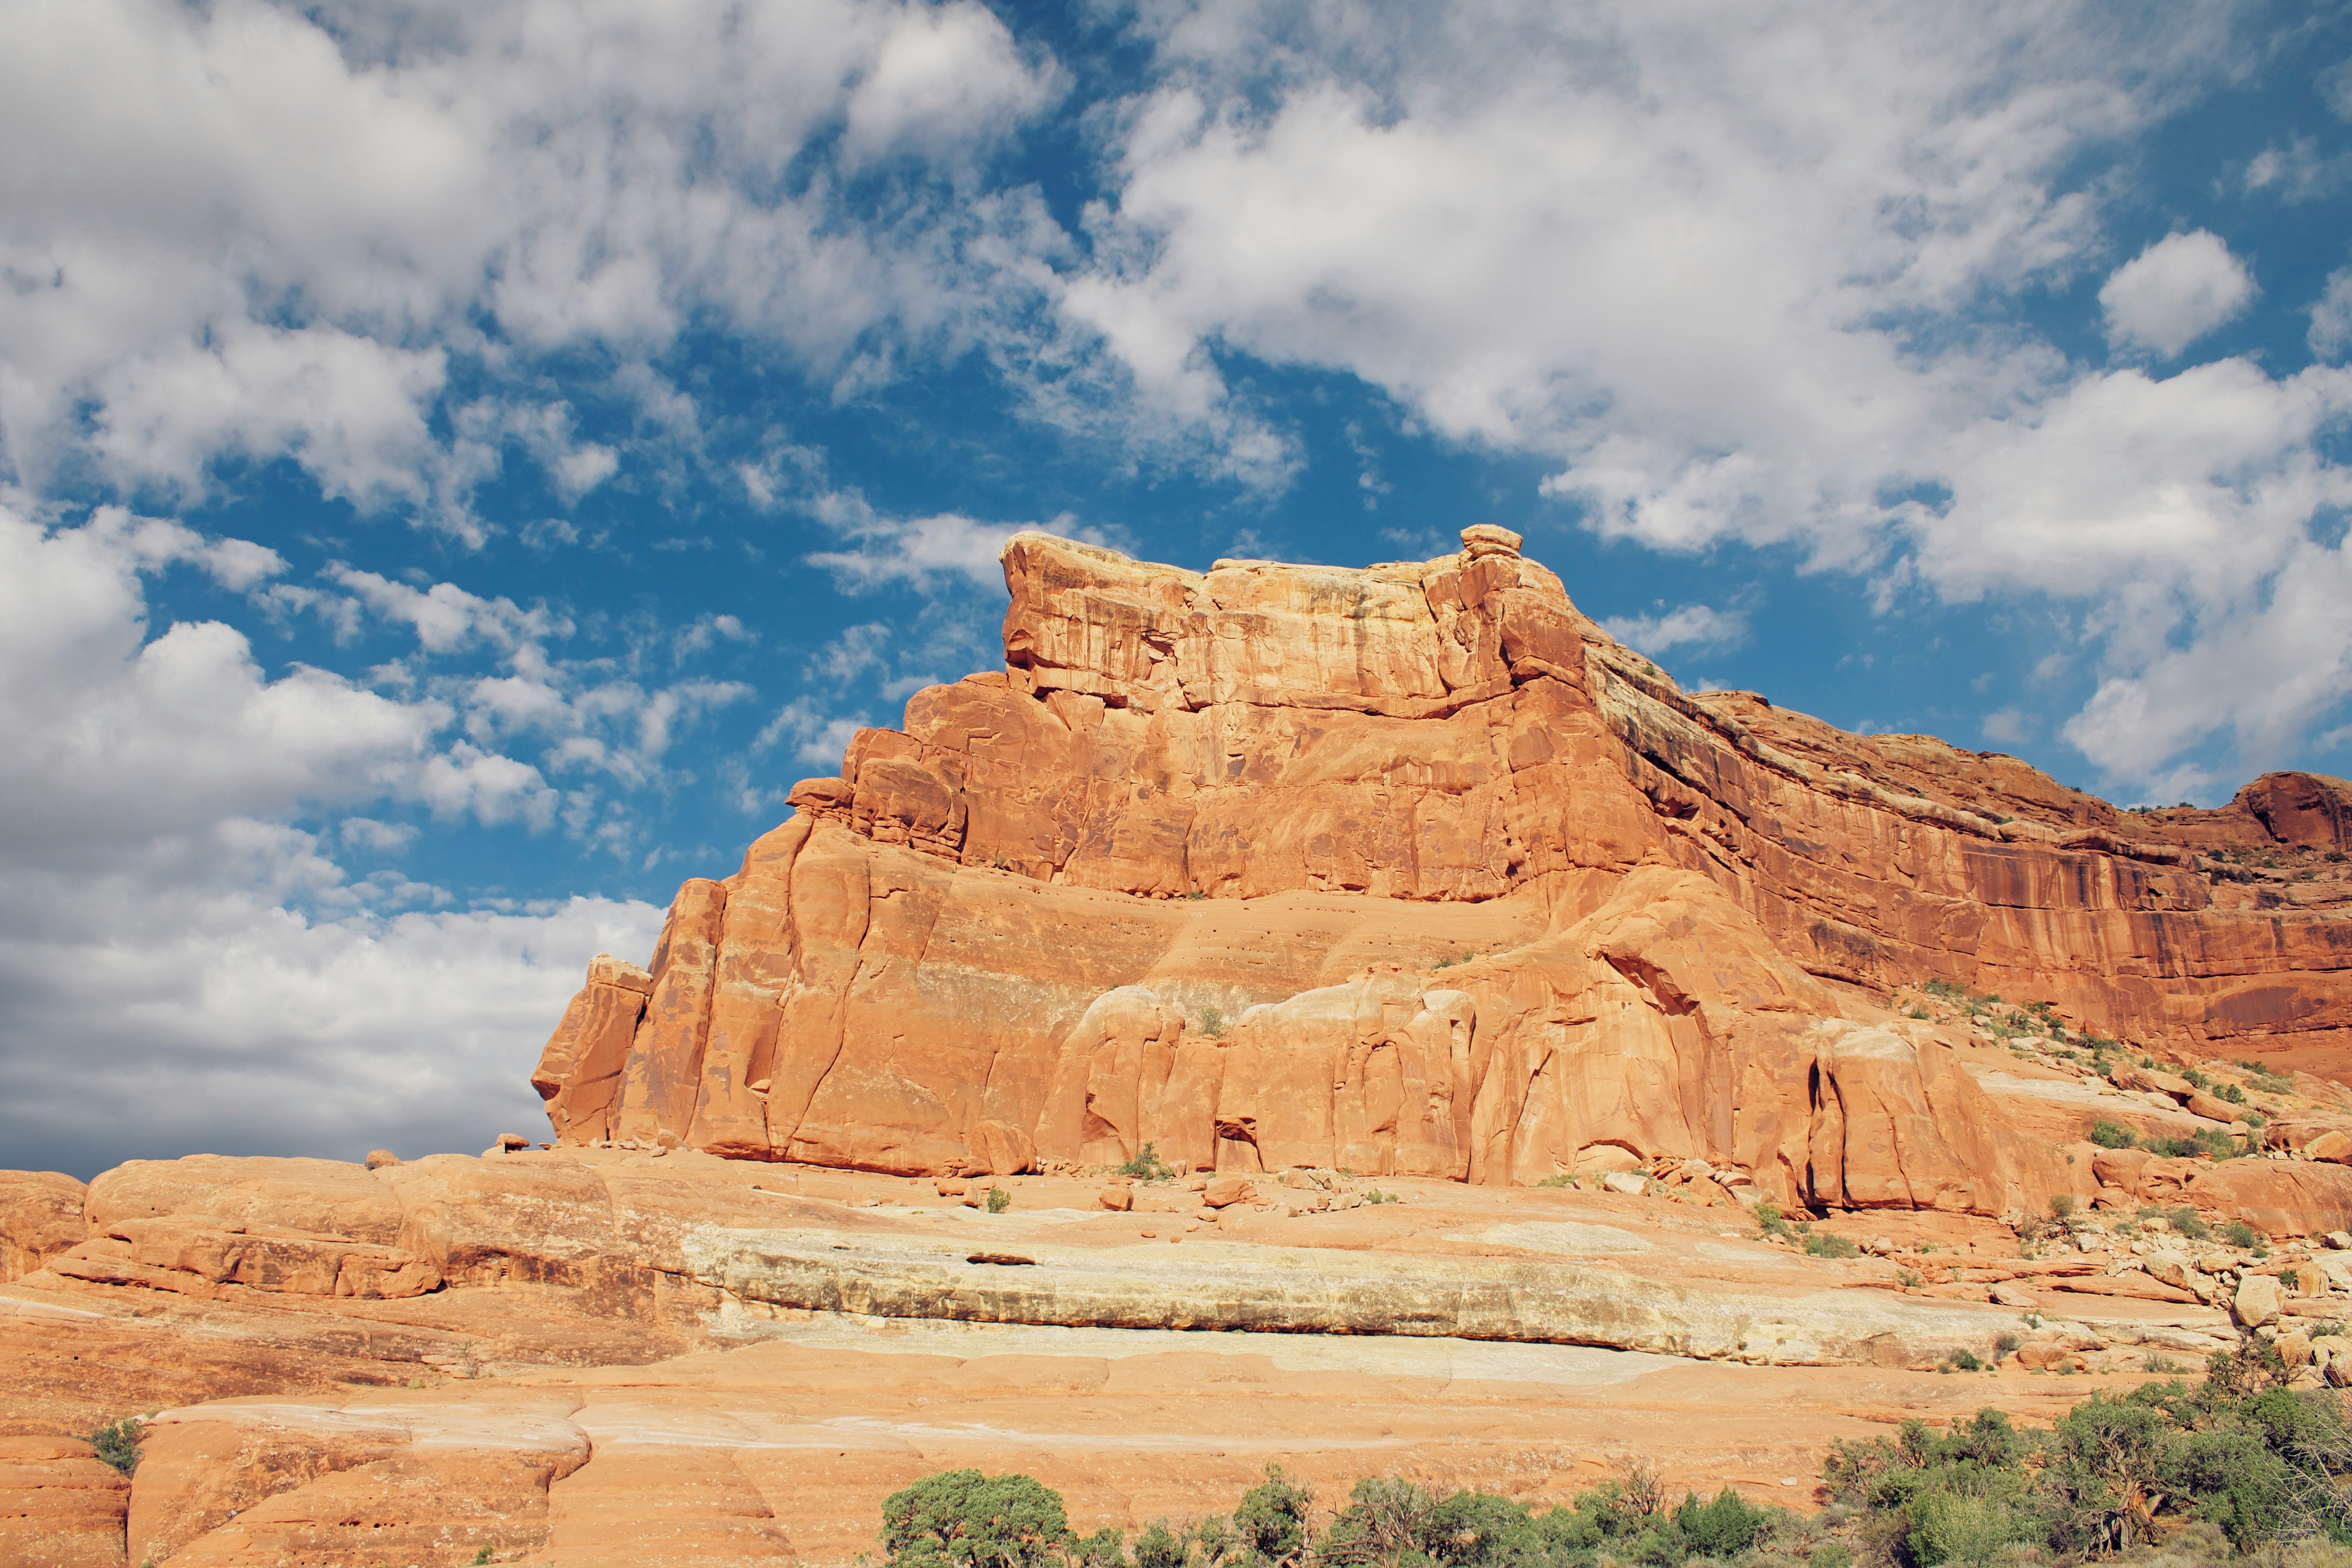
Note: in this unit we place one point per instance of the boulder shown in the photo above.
(2256, 1302)
(1227, 1191)
(998, 1150)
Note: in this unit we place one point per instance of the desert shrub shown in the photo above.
(1212, 1020)
(964, 1519)
(2185, 1220)
(1385, 1522)
(2238, 1233)
(1723, 1528)
(2197, 1079)
(1822, 1244)
(1374, 1196)
(1157, 1546)
(117, 1444)
(999, 1200)
(1275, 1520)
(1559, 1179)
(2061, 1206)
(2207, 1142)
(2232, 1093)
(1146, 1166)
(1770, 1218)
(2109, 1135)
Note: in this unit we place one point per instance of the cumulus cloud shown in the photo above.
(1779, 307)
(181, 961)
(926, 552)
(817, 737)
(2174, 292)
(261, 231)
(1690, 626)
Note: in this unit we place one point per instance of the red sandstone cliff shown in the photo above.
(1414, 869)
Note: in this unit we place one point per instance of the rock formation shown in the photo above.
(1414, 869)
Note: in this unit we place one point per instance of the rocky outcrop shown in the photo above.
(40, 1215)
(1414, 870)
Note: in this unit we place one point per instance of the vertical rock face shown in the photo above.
(1414, 869)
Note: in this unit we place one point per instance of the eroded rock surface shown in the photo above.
(1414, 869)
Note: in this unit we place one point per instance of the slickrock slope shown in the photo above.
(1413, 870)
(647, 1359)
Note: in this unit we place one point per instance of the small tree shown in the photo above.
(1272, 1519)
(966, 1520)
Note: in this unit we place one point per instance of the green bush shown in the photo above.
(1559, 1179)
(2061, 1206)
(1275, 1520)
(1146, 1166)
(999, 1200)
(1157, 1546)
(1770, 1218)
(966, 1520)
(2238, 1233)
(117, 1444)
(1822, 1244)
(2109, 1135)
(1213, 1020)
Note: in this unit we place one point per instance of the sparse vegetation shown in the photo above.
(1770, 1218)
(1822, 1244)
(1559, 1179)
(2236, 1465)
(117, 1444)
(2109, 1135)
(2238, 1233)
(1212, 1020)
(999, 1200)
(2061, 1207)
(1146, 1166)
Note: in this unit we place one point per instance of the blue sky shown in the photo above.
(459, 465)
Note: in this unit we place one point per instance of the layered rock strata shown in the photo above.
(1414, 869)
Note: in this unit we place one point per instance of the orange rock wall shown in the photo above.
(1412, 870)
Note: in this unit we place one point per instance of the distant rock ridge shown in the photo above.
(1414, 869)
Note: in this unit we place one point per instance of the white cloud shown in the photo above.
(2331, 317)
(920, 549)
(817, 739)
(2009, 726)
(257, 230)
(942, 81)
(381, 838)
(202, 1015)
(186, 971)
(1690, 626)
(1781, 304)
(2174, 292)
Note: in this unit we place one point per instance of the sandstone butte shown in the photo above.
(1415, 870)
(1474, 983)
